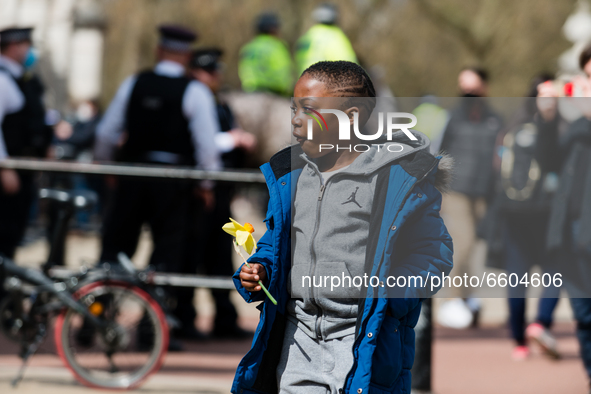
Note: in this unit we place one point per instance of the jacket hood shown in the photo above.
(383, 152)
(444, 175)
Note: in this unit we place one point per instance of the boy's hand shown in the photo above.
(250, 276)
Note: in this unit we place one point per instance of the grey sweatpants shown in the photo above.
(313, 366)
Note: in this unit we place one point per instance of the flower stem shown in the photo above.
(259, 282)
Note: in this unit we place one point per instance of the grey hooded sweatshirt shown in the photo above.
(331, 221)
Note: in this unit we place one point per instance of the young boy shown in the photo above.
(373, 211)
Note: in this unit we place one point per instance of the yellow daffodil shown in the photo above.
(243, 234)
(243, 237)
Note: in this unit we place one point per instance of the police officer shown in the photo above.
(158, 116)
(213, 248)
(265, 63)
(23, 132)
(323, 41)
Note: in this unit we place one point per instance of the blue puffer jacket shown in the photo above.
(411, 240)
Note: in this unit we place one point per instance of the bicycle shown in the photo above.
(110, 329)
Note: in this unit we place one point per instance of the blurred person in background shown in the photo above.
(23, 132)
(517, 221)
(158, 116)
(81, 140)
(206, 246)
(323, 41)
(265, 62)
(72, 143)
(470, 138)
(569, 230)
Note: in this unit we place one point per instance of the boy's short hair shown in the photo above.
(345, 79)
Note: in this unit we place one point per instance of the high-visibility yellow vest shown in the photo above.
(431, 120)
(323, 42)
(266, 65)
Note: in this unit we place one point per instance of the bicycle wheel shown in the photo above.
(141, 336)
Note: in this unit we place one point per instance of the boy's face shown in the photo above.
(311, 94)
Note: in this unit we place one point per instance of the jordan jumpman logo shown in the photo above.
(352, 198)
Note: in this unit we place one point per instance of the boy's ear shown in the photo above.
(350, 111)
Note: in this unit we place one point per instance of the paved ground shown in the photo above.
(469, 362)
(465, 362)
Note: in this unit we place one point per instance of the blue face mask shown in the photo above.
(30, 59)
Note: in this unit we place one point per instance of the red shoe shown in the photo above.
(520, 353)
(537, 333)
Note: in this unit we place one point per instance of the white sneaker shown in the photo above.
(537, 333)
(454, 314)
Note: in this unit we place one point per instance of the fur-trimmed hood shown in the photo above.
(378, 156)
(444, 174)
(290, 158)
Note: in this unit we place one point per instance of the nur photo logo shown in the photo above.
(390, 119)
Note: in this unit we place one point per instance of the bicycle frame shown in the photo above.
(44, 283)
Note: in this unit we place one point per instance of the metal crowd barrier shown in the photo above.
(166, 279)
(152, 171)
(145, 170)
